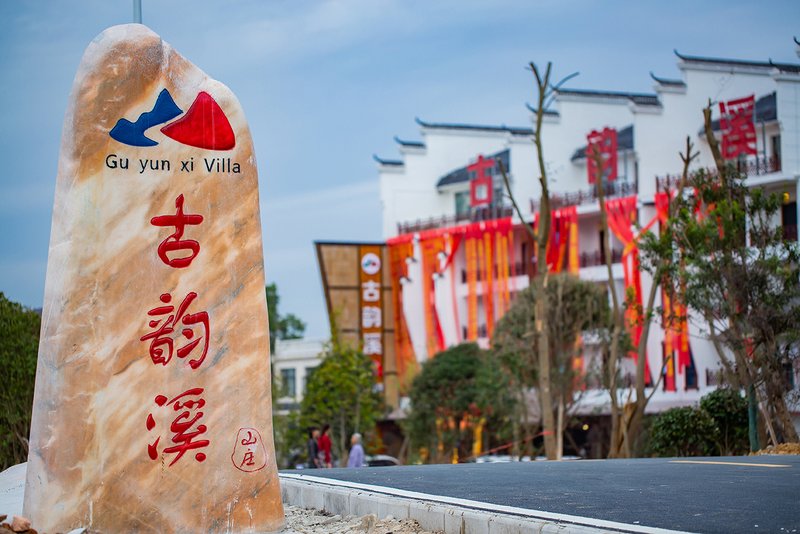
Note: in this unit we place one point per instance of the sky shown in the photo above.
(325, 84)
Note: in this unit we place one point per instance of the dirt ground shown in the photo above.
(298, 521)
(302, 521)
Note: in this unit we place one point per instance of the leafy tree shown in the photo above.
(683, 431)
(735, 269)
(577, 306)
(728, 409)
(545, 91)
(287, 326)
(459, 385)
(341, 392)
(627, 421)
(19, 343)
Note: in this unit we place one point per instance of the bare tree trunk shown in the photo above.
(784, 418)
(560, 425)
(342, 435)
(542, 298)
(635, 424)
(616, 444)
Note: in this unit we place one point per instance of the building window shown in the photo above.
(776, 153)
(789, 220)
(288, 382)
(309, 372)
(462, 204)
(691, 373)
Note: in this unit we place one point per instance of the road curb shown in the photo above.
(435, 512)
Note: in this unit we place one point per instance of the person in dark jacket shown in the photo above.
(313, 449)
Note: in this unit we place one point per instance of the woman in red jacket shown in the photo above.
(324, 444)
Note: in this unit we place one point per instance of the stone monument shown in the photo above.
(152, 410)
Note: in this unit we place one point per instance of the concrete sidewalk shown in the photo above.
(12, 490)
(438, 512)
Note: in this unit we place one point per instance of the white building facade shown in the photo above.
(427, 191)
(293, 363)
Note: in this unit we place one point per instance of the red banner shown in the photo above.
(605, 143)
(621, 216)
(481, 185)
(404, 352)
(738, 128)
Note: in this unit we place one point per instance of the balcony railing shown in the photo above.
(586, 196)
(756, 166)
(475, 215)
(585, 259)
(592, 259)
(517, 269)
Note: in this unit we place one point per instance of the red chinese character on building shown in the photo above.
(174, 242)
(738, 128)
(481, 186)
(162, 344)
(605, 143)
(184, 435)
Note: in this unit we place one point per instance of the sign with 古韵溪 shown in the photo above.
(152, 406)
(371, 304)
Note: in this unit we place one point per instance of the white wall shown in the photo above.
(409, 192)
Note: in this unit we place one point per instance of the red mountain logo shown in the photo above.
(204, 125)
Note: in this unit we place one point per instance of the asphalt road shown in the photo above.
(707, 495)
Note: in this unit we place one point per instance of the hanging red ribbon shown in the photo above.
(405, 360)
(431, 248)
(621, 216)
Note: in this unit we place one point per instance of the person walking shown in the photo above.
(324, 444)
(356, 458)
(313, 448)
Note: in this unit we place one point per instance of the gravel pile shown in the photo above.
(783, 448)
(303, 521)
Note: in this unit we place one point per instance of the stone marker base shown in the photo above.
(438, 513)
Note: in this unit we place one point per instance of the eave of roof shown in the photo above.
(641, 99)
(387, 162)
(667, 81)
(474, 127)
(547, 112)
(783, 67)
(412, 144)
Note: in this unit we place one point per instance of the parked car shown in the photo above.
(381, 460)
(500, 459)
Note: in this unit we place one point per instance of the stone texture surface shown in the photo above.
(96, 381)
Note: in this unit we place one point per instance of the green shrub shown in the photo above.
(728, 409)
(19, 345)
(683, 431)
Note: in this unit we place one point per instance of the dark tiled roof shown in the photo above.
(784, 67)
(449, 126)
(388, 162)
(766, 111)
(642, 99)
(624, 142)
(667, 81)
(551, 112)
(414, 144)
(462, 175)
